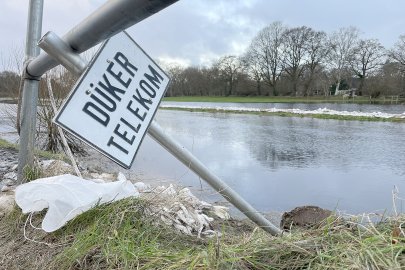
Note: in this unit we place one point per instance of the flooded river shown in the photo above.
(278, 163)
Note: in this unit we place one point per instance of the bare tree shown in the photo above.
(266, 50)
(295, 51)
(10, 67)
(9, 83)
(342, 44)
(368, 56)
(252, 69)
(212, 81)
(397, 53)
(317, 51)
(177, 81)
(196, 85)
(229, 67)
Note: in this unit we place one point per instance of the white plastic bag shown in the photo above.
(67, 196)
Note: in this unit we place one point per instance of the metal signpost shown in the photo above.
(29, 90)
(115, 99)
(108, 20)
(124, 105)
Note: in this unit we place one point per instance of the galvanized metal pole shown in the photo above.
(30, 90)
(110, 19)
(60, 51)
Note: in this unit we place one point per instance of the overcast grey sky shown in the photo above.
(199, 31)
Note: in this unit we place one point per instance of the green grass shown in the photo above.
(32, 172)
(6, 144)
(266, 99)
(51, 155)
(289, 114)
(120, 236)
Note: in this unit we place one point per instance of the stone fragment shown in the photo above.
(106, 177)
(7, 188)
(55, 167)
(142, 187)
(10, 175)
(220, 212)
(8, 182)
(6, 204)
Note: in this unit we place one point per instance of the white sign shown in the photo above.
(115, 99)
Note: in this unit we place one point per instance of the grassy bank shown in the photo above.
(264, 99)
(120, 236)
(289, 114)
(6, 144)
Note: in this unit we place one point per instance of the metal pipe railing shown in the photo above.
(110, 19)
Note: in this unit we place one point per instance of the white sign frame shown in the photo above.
(115, 99)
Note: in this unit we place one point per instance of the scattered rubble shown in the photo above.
(182, 210)
(103, 177)
(8, 163)
(55, 167)
(173, 206)
(142, 187)
(8, 181)
(7, 188)
(10, 176)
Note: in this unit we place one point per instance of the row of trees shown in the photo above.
(299, 61)
(9, 82)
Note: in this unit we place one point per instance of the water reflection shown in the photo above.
(272, 143)
(274, 158)
(277, 163)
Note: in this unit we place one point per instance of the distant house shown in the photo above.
(352, 84)
(349, 92)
